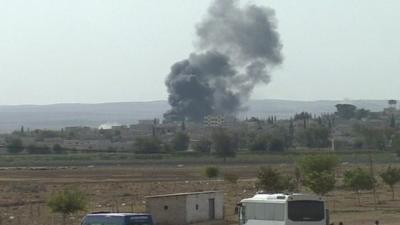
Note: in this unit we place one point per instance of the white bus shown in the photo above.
(283, 209)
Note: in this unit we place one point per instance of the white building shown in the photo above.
(186, 208)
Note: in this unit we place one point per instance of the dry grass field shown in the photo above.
(23, 192)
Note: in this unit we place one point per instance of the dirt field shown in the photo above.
(23, 192)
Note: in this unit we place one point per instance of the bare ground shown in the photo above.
(24, 191)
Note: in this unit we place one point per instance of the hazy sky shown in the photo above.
(121, 50)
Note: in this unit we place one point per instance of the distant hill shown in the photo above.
(61, 115)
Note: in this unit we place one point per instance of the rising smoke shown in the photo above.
(236, 50)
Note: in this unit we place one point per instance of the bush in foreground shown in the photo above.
(67, 202)
(231, 177)
(211, 172)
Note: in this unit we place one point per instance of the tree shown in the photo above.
(345, 111)
(67, 202)
(14, 145)
(396, 144)
(270, 180)
(320, 182)
(358, 180)
(362, 113)
(392, 102)
(305, 116)
(259, 143)
(147, 145)
(319, 172)
(37, 149)
(374, 137)
(57, 148)
(318, 163)
(391, 176)
(224, 144)
(203, 145)
(290, 134)
(315, 137)
(392, 121)
(180, 142)
(276, 145)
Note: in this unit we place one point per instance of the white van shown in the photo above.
(283, 209)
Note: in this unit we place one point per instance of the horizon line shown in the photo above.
(153, 101)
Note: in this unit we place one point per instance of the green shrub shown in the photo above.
(14, 145)
(66, 202)
(231, 177)
(211, 172)
(57, 148)
(36, 149)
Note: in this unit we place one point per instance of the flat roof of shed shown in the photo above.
(183, 194)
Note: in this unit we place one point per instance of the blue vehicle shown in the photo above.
(117, 219)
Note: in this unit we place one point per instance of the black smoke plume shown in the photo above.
(236, 50)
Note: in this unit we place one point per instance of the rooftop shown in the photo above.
(116, 214)
(182, 194)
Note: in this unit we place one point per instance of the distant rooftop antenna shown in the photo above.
(392, 103)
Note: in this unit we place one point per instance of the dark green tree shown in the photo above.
(276, 145)
(392, 121)
(358, 180)
(305, 116)
(314, 137)
(224, 144)
(57, 148)
(14, 145)
(180, 142)
(391, 176)
(147, 145)
(203, 145)
(259, 143)
(290, 134)
(345, 111)
(38, 149)
(362, 113)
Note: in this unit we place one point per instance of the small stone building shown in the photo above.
(186, 208)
